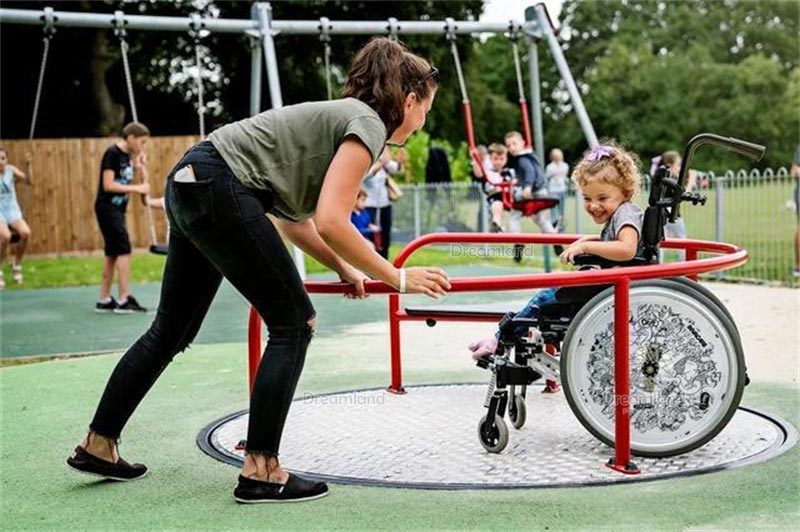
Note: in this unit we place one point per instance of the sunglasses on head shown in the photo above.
(432, 75)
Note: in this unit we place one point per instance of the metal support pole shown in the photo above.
(538, 130)
(417, 214)
(536, 99)
(267, 41)
(622, 408)
(274, 83)
(255, 68)
(539, 12)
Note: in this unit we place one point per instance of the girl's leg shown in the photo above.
(5, 239)
(24, 232)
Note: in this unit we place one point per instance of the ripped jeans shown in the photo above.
(218, 228)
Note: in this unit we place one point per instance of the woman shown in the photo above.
(304, 165)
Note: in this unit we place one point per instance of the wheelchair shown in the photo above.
(687, 368)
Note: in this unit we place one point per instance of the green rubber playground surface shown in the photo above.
(45, 407)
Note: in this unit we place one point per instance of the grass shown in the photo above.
(62, 272)
(754, 218)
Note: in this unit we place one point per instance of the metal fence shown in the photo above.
(756, 210)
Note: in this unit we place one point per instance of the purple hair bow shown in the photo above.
(598, 152)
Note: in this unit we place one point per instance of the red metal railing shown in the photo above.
(729, 257)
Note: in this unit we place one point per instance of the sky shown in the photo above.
(505, 10)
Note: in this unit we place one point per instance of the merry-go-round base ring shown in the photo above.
(426, 439)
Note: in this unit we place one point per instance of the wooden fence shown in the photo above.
(59, 207)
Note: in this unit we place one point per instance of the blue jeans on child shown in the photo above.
(531, 309)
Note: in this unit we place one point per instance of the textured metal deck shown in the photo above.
(428, 439)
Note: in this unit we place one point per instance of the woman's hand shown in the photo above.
(427, 280)
(352, 276)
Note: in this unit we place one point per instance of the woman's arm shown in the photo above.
(305, 236)
(335, 203)
(622, 249)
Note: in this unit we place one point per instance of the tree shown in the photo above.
(84, 70)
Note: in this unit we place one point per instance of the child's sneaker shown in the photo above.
(105, 307)
(16, 273)
(128, 306)
(483, 347)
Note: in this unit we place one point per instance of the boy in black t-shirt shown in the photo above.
(122, 161)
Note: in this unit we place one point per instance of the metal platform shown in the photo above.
(428, 439)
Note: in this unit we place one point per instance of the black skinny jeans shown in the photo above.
(218, 228)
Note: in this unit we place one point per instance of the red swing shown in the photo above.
(528, 207)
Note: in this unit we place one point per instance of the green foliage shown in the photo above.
(416, 148)
(656, 73)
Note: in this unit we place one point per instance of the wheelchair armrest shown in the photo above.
(588, 261)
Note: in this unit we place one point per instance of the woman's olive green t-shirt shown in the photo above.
(288, 150)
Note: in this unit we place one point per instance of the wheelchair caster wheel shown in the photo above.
(493, 435)
(518, 413)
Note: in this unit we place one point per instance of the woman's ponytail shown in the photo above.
(382, 74)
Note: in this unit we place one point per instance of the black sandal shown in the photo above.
(296, 489)
(84, 462)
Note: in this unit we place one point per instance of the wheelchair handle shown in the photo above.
(748, 149)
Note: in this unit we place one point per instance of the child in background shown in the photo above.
(557, 173)
(498, 158)
(608, 178)
(11, 217)
(361, 219)
(122, 161)
(532, 184)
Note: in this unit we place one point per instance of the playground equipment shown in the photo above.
(678, 369)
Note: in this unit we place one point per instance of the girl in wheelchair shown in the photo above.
(608, 177)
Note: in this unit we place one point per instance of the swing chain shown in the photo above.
(48, 31)
(121, 34)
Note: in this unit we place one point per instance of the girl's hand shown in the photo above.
(350, 275)
(576, 248)
(430, 281)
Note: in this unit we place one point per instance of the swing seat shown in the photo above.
(532, 206)
(159, 249)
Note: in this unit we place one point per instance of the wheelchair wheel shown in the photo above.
(493, 434)
(518, 414)
(686, 368)
(707, 293)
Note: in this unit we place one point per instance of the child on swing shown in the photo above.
(608, 178)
